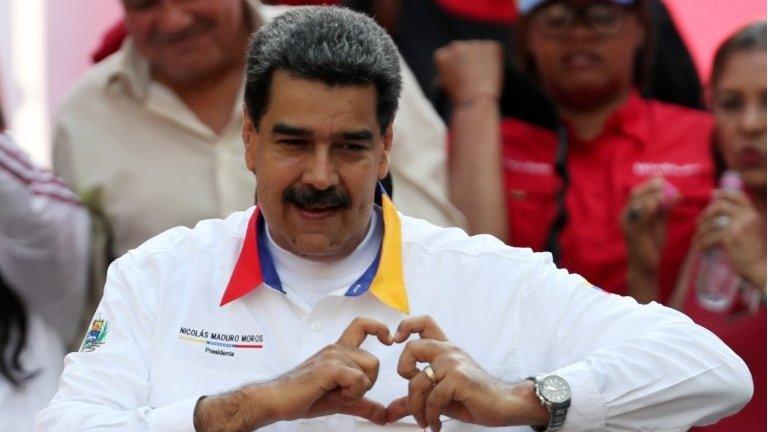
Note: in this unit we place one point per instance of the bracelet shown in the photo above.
(478, 97)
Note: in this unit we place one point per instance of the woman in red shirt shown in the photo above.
(734, 221)
(563, 187)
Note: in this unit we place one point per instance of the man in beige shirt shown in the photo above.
(150, 137)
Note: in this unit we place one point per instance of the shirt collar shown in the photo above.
(383, 278)
(629, 119)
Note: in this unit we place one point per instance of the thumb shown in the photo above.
(398, 409)
(367, 409)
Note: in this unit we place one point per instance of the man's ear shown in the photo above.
(387, 142)
(250, 140)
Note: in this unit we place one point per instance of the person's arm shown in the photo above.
(629, 366)
(44, 233)
(644, 224)
(471, 74)
(105, 385)
(419, 165)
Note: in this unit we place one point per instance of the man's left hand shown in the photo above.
(458, 386)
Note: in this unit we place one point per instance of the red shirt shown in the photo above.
(745, 334)
(641, 139)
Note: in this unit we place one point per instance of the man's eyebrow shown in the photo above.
(284, 129)
(361, 135)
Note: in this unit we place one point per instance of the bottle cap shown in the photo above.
(731, 181)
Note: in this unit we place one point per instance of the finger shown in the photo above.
(735, 197)
(649, 187)
(438, 399)
(720, 207)
(367, 409)
(418, 351)
(398, 409)
(354, 335)
(708, 240)
(352, 382)
(419, 388)
(644, 209)
(424, 325)
(366, 361)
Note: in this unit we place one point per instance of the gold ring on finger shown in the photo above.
(430, 374)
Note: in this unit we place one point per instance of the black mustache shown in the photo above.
(311, 198)
(164, 38)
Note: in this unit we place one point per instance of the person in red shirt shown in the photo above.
(734, 221)
(563, 186)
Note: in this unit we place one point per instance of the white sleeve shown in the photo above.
(43, 239)
(105, 386)
(419, 155)
(629, 366)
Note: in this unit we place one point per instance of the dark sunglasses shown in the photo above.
(557, 18)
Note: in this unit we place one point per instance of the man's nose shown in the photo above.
(173, 17)
(321, 172)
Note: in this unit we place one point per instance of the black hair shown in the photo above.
(13, 335)
(642, 69)
(334, 45)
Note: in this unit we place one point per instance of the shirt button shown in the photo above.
(316, 325)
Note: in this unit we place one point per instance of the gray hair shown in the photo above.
(334, 45)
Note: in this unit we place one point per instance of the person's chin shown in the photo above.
(585, 94)
(753, 178)
(315, 246)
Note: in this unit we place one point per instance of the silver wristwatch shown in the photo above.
(554, 393)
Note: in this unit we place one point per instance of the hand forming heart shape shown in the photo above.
(336, 379)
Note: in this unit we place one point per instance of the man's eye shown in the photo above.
(293, 142)
(353, 147)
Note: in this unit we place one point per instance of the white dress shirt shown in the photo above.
(200, 311)
(43, 240)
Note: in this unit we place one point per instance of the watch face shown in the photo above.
(555, 389)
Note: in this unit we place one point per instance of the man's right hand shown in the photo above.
(333, 381)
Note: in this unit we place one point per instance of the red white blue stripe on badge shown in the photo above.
(202, 340)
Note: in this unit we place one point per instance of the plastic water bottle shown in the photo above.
(717, 284)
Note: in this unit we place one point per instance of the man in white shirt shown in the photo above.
(150, 137)
(230, 326)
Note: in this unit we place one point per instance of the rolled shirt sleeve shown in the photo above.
(105, 385)
(629, 366)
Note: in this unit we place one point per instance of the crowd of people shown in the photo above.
(574, 127)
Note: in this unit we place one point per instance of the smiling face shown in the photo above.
(190, 39)
(584, 65)
(317, 153)
(738, 101)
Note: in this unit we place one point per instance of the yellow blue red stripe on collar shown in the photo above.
(384, 277)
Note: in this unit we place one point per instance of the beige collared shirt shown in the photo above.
(139, 157)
